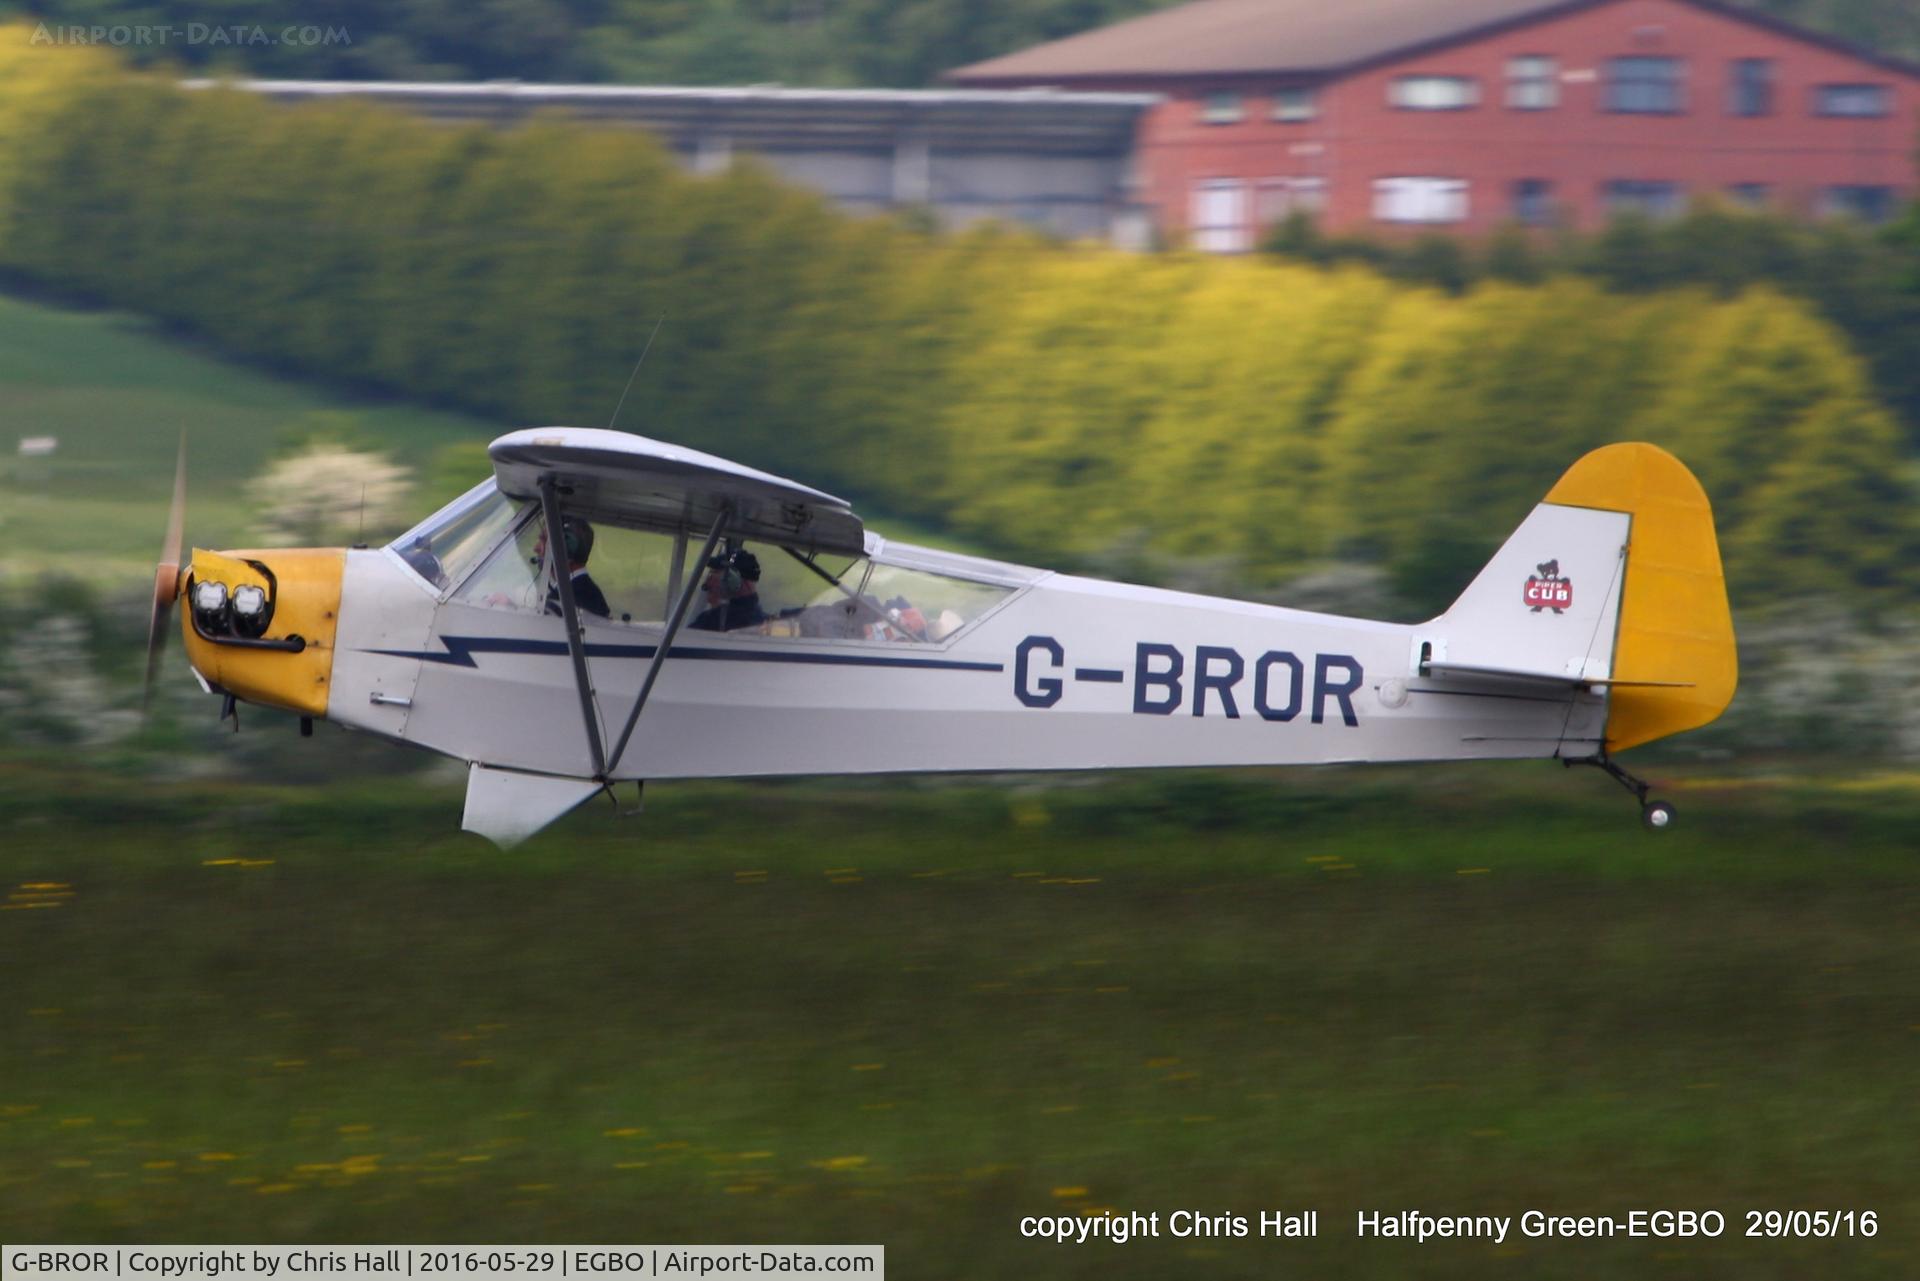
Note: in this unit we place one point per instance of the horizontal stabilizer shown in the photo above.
(1444, 670)
(507, 806)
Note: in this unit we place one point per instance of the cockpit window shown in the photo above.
(492, 551)
(621, 575)
(449, 543)
(771, 592)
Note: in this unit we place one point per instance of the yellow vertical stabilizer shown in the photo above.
(1675, 624)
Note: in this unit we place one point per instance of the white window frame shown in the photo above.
(1533, 82)
(1618, 85)
(1421, 200)
(1218, 221)
(1616, 201)
(1296, 105)
(1764, 86)
(1430, 93)
(1222, 107)
(1883, 96)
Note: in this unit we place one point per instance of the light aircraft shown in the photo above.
(608, 608)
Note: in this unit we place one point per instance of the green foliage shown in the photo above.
(847, 42)
(1866, 282)
(1229, 424)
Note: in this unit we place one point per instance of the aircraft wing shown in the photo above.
(632, 480)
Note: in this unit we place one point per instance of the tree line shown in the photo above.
(1063, 404)
(800, 42)
(1866, 280)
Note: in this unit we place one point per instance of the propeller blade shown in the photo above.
(166, 575)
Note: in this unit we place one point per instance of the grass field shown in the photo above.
(913, 1013)
(117, 391)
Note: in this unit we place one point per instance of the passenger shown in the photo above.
(900, 621)
(587, 596)
(733, 593)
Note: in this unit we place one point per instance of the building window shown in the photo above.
(1750, 93)
(1419, 199)
(1278, 199)
(1852, 100)
(1434, 93)
(1750, 195)
(1220, 217)
(1533, 83)
(1868, 204)
(1651, 199)
(1295, 105)
(1650, 86)
(1222, 107)
(1533, 202)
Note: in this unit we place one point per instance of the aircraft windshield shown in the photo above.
(442, 548)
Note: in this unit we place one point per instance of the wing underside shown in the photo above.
(649, 484)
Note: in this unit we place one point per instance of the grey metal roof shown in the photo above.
(1071, 120)
(1305, 38)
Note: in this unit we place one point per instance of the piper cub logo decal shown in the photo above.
(1547, 590)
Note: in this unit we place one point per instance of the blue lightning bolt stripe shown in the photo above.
(460, 651)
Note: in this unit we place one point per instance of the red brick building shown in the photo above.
(1467, 114)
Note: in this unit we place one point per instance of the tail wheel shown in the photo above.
(1658, 816)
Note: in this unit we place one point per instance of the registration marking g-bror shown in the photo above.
(1273, 685)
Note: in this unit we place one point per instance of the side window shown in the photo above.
(618, 574)
(858, 600)
(633, 569)
(749, 590)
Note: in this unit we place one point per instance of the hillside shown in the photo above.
(116, 393)
(116, 390)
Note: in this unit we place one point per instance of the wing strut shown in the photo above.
(666, 640)
(576, 646)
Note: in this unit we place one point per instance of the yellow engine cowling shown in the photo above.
(304, 588)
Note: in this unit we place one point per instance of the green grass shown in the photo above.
(117, 391)
(913, 1012)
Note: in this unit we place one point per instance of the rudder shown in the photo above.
(1676, 627)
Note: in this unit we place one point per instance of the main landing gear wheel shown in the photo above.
(1657, 815)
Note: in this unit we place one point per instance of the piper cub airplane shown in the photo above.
(607, 608)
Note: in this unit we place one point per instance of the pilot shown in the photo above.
(587, 596)
(733, 593)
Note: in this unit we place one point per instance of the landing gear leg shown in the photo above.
(1658, 816)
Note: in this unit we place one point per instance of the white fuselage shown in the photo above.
(1065, 673)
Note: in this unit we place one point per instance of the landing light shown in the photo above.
(249, 601)
(210, 598)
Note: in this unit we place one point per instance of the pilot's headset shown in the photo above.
(736, 565)
(576, 538)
